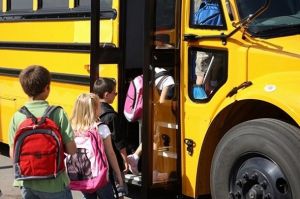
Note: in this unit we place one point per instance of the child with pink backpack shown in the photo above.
(88, 168)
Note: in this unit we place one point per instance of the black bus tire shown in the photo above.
(257, 159)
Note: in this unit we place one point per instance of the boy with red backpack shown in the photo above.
(35, 132)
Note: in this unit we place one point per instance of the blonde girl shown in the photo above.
(85, 115)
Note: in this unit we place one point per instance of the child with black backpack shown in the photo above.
(85, 116)
(45, 176)
(105, 88)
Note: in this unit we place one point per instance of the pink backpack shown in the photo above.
(133, 107)
(88, 167)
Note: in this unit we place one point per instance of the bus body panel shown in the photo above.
(55, 31)
(271, 65)
(279, 89)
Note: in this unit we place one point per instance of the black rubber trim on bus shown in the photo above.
(44, 15)
(109, 53)
(84, 47)
(57, 77)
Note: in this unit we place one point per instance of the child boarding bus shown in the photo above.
(230, 129)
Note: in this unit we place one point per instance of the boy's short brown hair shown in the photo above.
(34, 79)
(102, 85)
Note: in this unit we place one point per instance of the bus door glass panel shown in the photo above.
(206, 14)
(21, 5)
(207, 72)
(55, 4)
(164, 126)
(164, 99)
(165, 24)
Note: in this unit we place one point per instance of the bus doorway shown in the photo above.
(153, 50)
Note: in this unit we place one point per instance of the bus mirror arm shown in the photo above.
(244, 22)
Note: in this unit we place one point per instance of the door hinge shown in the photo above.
(190, 145)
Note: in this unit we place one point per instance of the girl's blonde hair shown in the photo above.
(84, 115)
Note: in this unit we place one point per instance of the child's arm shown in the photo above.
(67, 132)
(70, 147)
(11, 152)
(163, 94)
(119, 140)
(124, 157)
(111, 156)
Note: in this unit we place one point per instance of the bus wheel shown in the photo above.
(258, 159)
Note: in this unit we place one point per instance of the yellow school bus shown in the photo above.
(230, 128)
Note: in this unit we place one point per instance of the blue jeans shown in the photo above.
(104, 193)
(28, 193)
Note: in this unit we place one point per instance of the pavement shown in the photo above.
(6, 178)
(6, 181)
(10, 192)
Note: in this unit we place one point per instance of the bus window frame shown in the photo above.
(191, 72)
(59, 15)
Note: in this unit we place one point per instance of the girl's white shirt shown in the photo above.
(104, 131)
(166, 82)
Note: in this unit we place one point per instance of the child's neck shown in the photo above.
(36, 98)
(103, 100)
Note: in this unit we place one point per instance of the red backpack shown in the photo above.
(38, 147)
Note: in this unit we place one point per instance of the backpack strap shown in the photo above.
(49, 110)
(100, 123)
(94, 136)
(111, 175)
(161, 73)
(47, 113)
(106, 113)
(165, 75)
(28, 114)
(161, 81)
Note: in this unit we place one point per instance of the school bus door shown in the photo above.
(160, 119)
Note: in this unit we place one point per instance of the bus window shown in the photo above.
(104, 4)
(206, 14)
(207, 73)
(1, 6)
(54, 4)
(21, 5)
(165, 12)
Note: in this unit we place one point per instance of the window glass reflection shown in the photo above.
(104, 4)
(54, 4)
(21, 5)
(206, 13)
(208, 72)
(165, 24)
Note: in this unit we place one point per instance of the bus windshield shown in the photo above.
(282, 18)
